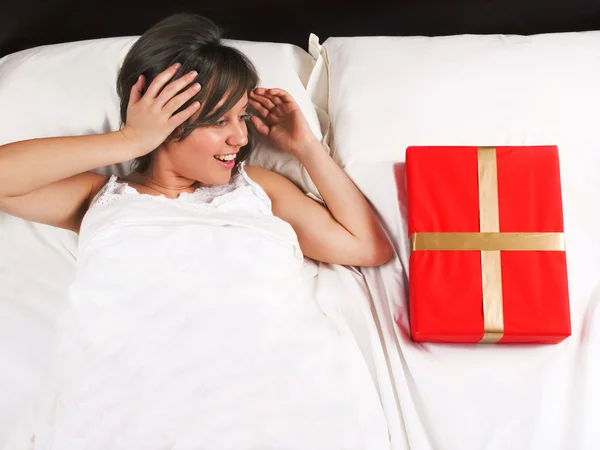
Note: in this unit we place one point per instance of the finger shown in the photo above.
(259, 125)
(274, 98)
(174, 87)
(160, 80)
(136, 90)
(283, 95)
(178, 101)
(184, 115)
(263, 100)
(258, 107)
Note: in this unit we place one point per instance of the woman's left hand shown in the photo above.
(281, 120)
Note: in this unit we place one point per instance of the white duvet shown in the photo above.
(199, 330)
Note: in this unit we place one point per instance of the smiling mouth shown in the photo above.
(225, 158)
(226, 161)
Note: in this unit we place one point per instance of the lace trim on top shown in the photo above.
(199, 199)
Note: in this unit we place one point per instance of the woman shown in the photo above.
(191, 325)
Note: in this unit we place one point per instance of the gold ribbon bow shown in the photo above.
(490, 242)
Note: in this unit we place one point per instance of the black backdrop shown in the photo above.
(29, 23)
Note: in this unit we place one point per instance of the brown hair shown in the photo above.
(195, 42)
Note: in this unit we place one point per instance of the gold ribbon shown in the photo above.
(490, 242)
(487, 241)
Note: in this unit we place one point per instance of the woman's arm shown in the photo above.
(347, 231)
(29, 165)
(47, 180)
(320, 234)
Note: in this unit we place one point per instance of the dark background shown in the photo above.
(29, 23)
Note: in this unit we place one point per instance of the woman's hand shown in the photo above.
(281, 120)
(150, 117)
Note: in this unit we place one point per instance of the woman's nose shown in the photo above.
(239, 135)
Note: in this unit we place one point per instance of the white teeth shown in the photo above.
(225, 157)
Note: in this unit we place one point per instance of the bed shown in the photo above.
(372, 79)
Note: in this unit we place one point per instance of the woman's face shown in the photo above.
(208, 154)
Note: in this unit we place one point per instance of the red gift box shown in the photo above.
(488, 262)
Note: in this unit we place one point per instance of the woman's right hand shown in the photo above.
(150, 118)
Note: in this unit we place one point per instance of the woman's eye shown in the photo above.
(223, 122)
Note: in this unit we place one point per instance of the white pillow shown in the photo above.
(70, 89)
(387, 93)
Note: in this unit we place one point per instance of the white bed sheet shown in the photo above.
(463, 397)
(36, 267)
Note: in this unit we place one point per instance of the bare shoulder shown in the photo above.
(288, 201)
(260, 174)
(271, 182)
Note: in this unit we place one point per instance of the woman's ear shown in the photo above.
(177, 132)
(144, 85)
